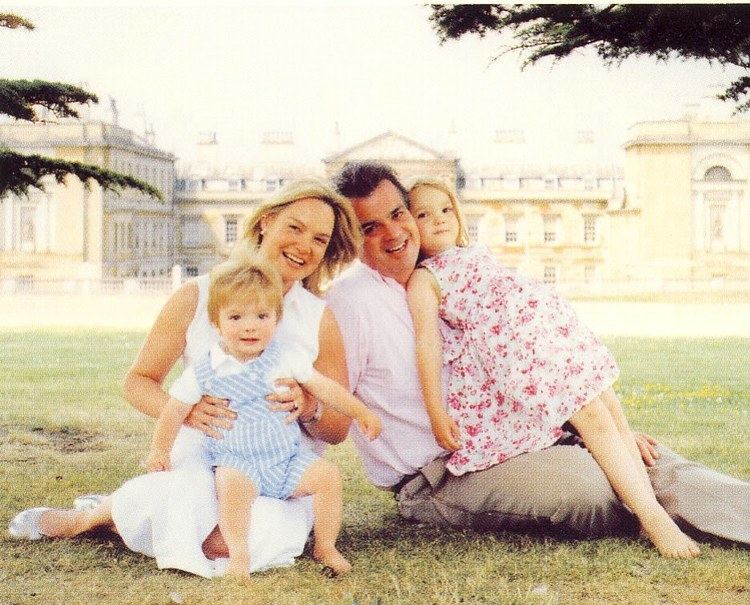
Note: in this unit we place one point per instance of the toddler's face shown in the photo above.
(246, 328)
(436, 219)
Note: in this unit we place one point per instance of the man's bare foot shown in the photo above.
(668, 539)
(332, 559)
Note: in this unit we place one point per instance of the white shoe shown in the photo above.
(25, 525)
(88, 502)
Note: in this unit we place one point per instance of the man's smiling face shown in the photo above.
(391, 239)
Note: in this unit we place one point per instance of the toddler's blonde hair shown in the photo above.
(246, 278)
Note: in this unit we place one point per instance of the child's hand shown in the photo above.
(157, 461)
(369, 424)
(446, 431)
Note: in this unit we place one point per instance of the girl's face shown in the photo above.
(436, 219)
(296, 237)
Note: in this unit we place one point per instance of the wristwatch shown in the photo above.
(317, 415)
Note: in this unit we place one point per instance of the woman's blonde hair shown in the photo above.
(440, 185)
(346, 239)
(244, 279)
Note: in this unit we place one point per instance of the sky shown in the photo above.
(335, 74)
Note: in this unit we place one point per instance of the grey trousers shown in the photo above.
(562, 490)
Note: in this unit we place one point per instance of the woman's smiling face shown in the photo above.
(296, 237)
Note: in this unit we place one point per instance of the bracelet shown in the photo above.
(317, 415)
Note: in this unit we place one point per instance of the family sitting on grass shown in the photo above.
(481, 400)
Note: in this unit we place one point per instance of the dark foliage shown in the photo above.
(718, 33)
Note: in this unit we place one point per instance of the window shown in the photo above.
(192, 232)
(472, 228)
(717, 173)
(716, 226)
(25, 283)
(550, 275)
(589, 273)
(589, 228)
(27, 229)
(230, 229)
(550, 182)
(551, 222)
(191, 271)
(511, 229)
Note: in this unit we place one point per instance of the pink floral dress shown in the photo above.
(520, 363)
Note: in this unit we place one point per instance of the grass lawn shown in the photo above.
(65, 431)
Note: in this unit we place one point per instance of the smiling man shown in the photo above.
(559, 489)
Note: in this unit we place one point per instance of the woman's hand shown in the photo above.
(446, 431)
(211, 414)
(289, 397)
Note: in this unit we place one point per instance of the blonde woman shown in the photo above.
(308, 233)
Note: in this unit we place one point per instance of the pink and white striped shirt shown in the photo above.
(378, 334)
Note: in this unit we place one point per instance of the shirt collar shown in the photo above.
(376, 275)
(221, 359)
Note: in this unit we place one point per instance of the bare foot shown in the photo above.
(332, 559)
(669, 540)
(238, 568)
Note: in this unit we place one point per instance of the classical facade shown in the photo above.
(687, 214)
(675, 215)
(70, 231)
(552, 224)
(210, 213)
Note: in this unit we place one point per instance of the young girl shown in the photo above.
(261, 454)
(520, 366)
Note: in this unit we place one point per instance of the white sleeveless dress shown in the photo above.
(168, 515)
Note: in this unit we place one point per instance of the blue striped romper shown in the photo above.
(259, 444)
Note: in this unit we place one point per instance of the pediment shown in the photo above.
(389, 146)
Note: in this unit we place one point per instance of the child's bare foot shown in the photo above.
(332, 559)
(238, 568)
(668, 539)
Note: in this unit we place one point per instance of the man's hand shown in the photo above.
(446, 431)
(647, 446)
(210, 414)
(289, 397)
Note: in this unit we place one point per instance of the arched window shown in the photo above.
(717, 173)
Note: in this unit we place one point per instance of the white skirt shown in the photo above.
(168, 515)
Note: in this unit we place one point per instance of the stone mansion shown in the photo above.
(675, 214)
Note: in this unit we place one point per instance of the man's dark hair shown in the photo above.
(360, 179)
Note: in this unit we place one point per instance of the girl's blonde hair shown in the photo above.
(346, 239)
(244, 279)
(440, 185)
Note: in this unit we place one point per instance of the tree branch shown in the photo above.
(20, 172)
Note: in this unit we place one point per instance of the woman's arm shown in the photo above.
(333, 426)
(423, 296)
(164, 344)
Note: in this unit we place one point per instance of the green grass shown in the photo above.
(65, 431)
